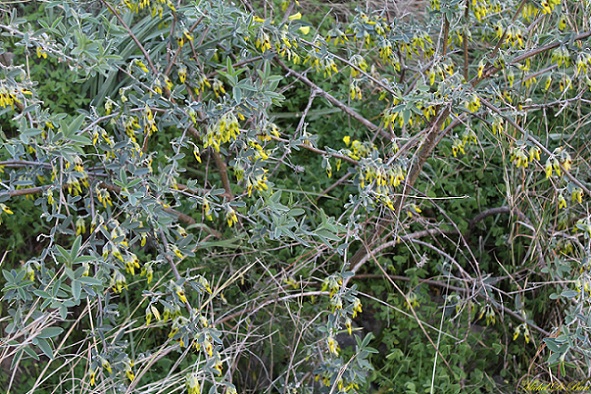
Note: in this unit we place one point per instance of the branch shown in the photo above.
(319, 151)
(536, 143)
(133, 37)
(223, 170)
(424, 152)
(348, 110)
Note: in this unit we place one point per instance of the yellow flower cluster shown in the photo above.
(357, 307)
(337, 36)
(148, 272)
(260, 152)
(333, 284)
(41, 53)
(357, 149)
(412, 301)
(185, 36)
(379, 24)
(383, 176)
(218, 88)
(558, 160)
(5, 209)
(149, 122)
(498, 125)
(263, 41)
(514, 36)
(521, 158)
(269, 131)
(224, 130)
(104, 135)
(201, 83)
(156, 7)
(421, 41)
(103, 197)
(231, 217)
(192, 383)
(577, 195)
(128, 368)
(549, 5)
(342, 386)
(522, 328)
(482, 8)
(325, 64)
(488, 312)
(286, 45)
(359, 62)
(473, 104)
(131, 263)
(7, 98)
(118, 282)
(561, 56)
(583, 63)
(441, 71)
(561, 201)
(258, 182)
(468, 137)
(333, 345)
(355, 90)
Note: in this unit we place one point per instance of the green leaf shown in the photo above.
(552, 345)
(76, 289)
(50, 332)
(569, 293)
(31, 353)
(75, 247)
(45, 347)
(64, 254)
(87, 280)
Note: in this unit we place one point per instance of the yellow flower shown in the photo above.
(231, 217)
(177, 252)
(6, 209)
(118, 282)
(548, 168)
(192, 383)
(141, 65)
(130, 375)
(182, 73)
(480, 69)
(304, 29)
(561, 201)
(132, 263)
(106, 365)
(148, 272)
(357, 307)
(577, 195)
(197, 154)
(181, 294)
(295, 17)
(333, 346)
(205, 283)
(92, 377)
(41, 53)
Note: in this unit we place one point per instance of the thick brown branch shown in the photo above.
(424, 152)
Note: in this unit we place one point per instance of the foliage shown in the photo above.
(213, 197)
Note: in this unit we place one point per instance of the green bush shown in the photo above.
(293, 197)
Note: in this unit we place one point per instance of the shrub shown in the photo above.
(234, 199)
